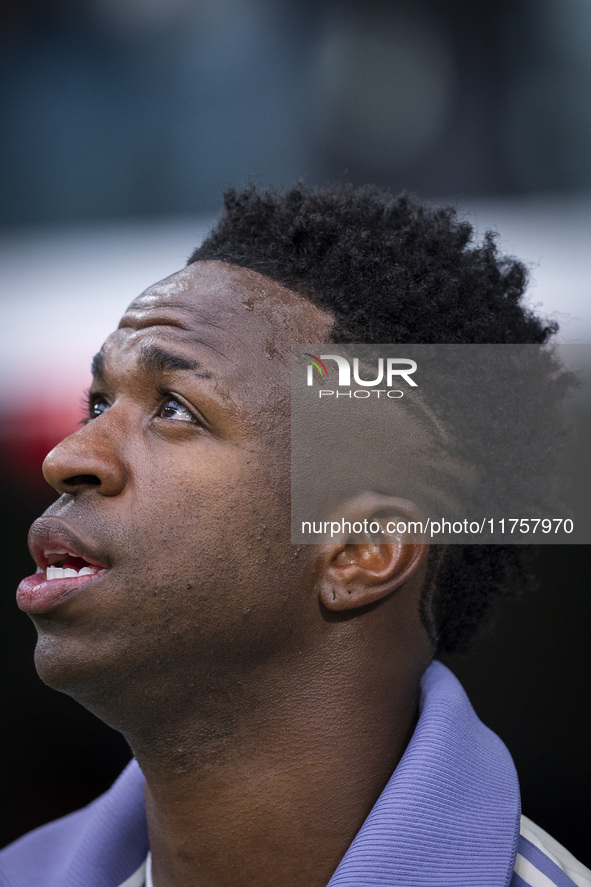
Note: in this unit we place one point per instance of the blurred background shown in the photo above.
(123, 121)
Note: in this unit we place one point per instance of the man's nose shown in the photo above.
(87, 459)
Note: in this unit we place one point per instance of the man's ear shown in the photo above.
(368, 565)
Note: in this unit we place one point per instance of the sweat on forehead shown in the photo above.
(216, 289)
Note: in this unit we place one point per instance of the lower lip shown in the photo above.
(36, 594)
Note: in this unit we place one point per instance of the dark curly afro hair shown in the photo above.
(392, 270)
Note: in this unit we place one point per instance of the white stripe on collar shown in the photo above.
(579, 874)
(149, 882)
(138, 879)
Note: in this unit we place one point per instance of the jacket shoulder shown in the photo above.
(101, 845)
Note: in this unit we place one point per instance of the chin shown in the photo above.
(61, 666)
(70, 667)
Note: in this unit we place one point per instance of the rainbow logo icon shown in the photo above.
(316, 362)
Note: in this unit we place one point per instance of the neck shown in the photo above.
(280, 797)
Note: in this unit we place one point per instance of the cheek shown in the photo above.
(221, 524)
(217, 496)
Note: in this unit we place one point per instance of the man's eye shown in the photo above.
(95, 407)
(172, 409)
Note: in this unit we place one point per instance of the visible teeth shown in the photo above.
(69, 573)
(52, 551)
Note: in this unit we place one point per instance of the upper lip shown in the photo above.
(51, 535)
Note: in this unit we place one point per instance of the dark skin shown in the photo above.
(267, 690)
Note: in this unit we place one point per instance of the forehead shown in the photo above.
(238, 324)
(205, 291)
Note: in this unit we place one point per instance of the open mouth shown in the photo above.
(65, 568)
(63, 565)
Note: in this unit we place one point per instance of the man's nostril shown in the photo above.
(81, 480)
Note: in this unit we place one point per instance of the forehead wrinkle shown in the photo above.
(143, 321)
(151, 314)
(245, 339)
(218, 320)
(225, 329)
(138, 319)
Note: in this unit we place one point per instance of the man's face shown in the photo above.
(179, 486)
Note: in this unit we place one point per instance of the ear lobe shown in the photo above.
(362, 574)
(365, 571)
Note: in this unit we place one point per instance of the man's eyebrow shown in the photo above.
(98, 365)
(154, 359)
